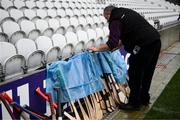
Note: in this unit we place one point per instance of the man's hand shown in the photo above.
(102, 47)
(93, 49)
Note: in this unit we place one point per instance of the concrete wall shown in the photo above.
(169, 36)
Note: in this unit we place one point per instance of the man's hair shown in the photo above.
(109, 8)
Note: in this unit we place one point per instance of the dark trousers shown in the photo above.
(141, 69)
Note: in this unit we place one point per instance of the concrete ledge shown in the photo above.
(169, 36)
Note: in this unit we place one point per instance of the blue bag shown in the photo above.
(115, 64)
(77, 77)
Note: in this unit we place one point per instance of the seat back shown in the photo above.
(25, 47)
(4, 14)
(10, 30)
(27, 26)
(59, 40)
(54, 23)
(7, 50)
(16, 14)
(29, 13)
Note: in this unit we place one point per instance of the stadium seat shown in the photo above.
(90, 12)
(83, 11)
(76, 11)
(52, 13)
(57, 4)
(19, 4)
(96, 19)
(69, 12)
(61, 12)
(91, 37)
(102, 19)
(6, 4)
(83, 36)
(40, 4)
(78, 5)
(54, 23)
(106, 32)
(64, 22)
(14, 33)
(72, 5)
(65, 4)
(49, 4)
(72, 39)
(4, 14)
(82, 20)
(59, 40)
(74, 21)
(29, 13)
(34, 58)
(41, 13)
(89, 20)
(95, 11)
(16, 14)
(46, 45)
(3, 37)
(42, 25)
(99, 36)
(29, 28)
(12, 63)
(30, 4)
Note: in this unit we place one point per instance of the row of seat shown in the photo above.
(27, 55)
(152, 11)
(156, 16)
(6, 4)
(17, 14)
(32, 29)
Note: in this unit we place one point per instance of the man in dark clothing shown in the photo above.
(130, 30)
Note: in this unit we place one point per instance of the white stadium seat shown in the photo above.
(54, 23)
(6, 3)
(59, 40)
(34, 58)
(49, 4)
(57, 4)
(83, 36)
(19, 4)
(46, 45)
(64, 22)
(29, 28)
(61, 12)
(4, 14)
(41, 13)
(69, 12)
(30, 3)
(82, 20)
(29, 13)
(91, 36)
(89, 20)
(40, 4)
(3, 37)
(52, 13)
(74, 21)
(99, 36)
(42, 25)
(14, 33)
(11, 62)
(16, 14)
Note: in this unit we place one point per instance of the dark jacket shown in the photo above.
(135, 29)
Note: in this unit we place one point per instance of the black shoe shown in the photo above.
(145, 103)
(129, 107)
